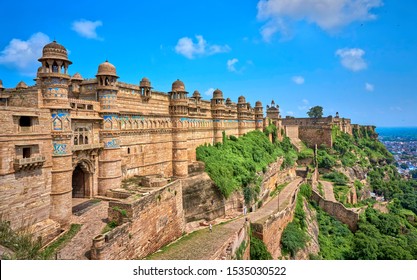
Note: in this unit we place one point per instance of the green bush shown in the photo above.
(258, 250)
(293, 238)
(337, 178)
(234, 164)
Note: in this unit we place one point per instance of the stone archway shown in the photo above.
(78, 182)
(82, 180)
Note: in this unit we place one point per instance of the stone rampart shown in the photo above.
(147, 224)
(202, 200)
(316, 135)
(269, 229)
(239, 240)
(338, 211)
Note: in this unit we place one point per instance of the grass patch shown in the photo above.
(278, 189)
(341, 193)
(109, 226)
(320, 188)
(177, 243)
(50, 251)
(25, 247)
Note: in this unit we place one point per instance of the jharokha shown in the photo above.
(68, 137)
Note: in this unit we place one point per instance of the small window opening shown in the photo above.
(25, 121)
(26, 152)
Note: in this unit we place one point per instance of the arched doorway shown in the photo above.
(79, 180)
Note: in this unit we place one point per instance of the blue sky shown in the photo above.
(357, 57)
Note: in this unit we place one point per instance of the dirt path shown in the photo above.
(328, 191)
(92, 221)
(202, 244)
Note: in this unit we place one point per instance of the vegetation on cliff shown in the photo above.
(391, 235)
(235, 163)
(294, 237)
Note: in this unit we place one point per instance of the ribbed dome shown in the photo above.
(54, 51)
(196, 94)
(217, 94)
(178, 86)
(145, 82)
(241, 99)
(258, 104)
(77, 77)
(228, 101)
(21, 85)
(106, 69)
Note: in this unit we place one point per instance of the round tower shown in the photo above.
(218, 111)
(110, 162)
(178, 108)
(53, 80)
(242, 110)
(259, 115)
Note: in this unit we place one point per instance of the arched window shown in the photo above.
(81, 135)
(55, 67)
(128, 151)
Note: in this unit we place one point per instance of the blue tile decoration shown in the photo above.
(60, 149)
(113, 143)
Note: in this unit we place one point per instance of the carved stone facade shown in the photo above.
(68, 137)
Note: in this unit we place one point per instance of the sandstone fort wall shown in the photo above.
(151, 222)
(338, 211)
(270, 229)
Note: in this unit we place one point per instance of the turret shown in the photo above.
(53, 76)
(178, 99)
(272, 112)
(107, 87)
(145, 89)
(178, 107)
(242, 111)
(259, 115)
(53, 80)
(110, 163)
(218, 112)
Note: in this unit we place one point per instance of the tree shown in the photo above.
(315, 112)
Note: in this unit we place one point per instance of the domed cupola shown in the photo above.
(145, 89)
(106, 76)
(54, 59)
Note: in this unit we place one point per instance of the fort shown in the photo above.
(67, 137)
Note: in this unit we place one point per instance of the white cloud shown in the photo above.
(329, 15)
(352, 59)
(209, 92)
(299, 80)
(189, 49)
(304, 106)
(87, 28)
(23, 55)
(231, 64)
(369, 87)
(290, 113)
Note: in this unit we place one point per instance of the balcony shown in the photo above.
(87, 147)
(28, 163)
